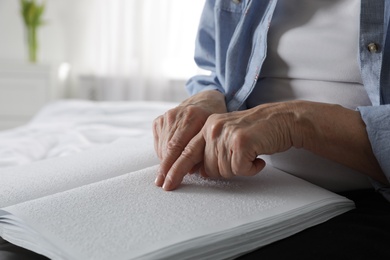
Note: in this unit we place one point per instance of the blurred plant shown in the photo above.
(32, 13)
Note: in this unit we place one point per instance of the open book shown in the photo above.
(103, 204)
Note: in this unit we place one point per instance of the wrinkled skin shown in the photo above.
(199, 135)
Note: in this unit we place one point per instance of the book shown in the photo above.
(103, 204)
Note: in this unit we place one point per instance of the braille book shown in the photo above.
(103, 204)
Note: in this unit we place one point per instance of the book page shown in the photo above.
(129, 217)
(22, 183)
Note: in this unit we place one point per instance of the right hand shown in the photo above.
(178, 126)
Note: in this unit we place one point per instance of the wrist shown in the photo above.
(321, 126)
(211, 100)
(336, 133)
(303, 128)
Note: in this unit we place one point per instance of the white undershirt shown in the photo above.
(312, 54)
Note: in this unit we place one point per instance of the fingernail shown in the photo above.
(159, 180)
(167, 184)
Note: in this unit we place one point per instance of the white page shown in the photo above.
(22, 183)
(127, 216)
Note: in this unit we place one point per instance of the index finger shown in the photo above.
(174, 148)
(191, 156)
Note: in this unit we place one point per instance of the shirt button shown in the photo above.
(373, 47)
(237, 1)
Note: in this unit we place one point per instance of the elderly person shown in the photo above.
(303, 85)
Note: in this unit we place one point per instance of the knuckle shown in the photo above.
(188, 153)
(174, 146)
(185, 116)
(195, 109)
(215, 124)
(236, 170)
(157, 124)
(170, 116)
(187, 119)
(192, 117)
(239, 139)
(175, 171)
(191, 110)
(158, 120)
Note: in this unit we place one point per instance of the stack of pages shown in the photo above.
(103, 204)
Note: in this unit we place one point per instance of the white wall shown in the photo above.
(70, 35)
(11, 30)
(65, 19)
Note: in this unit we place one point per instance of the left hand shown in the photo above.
(228, 144)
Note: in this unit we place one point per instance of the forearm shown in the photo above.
(336, 133)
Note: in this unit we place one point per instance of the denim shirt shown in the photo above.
(232, 45)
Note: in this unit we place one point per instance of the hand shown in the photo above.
(229, 143)
(174, 130)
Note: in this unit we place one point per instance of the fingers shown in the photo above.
(195, 169)
(157, 123)
(173, 149)
(191, 157)
(230, 147)
(172, 132)
(243, 159)
(159, 181)
(223, 145)
(246, 167)
(214, 156)
(217, 161)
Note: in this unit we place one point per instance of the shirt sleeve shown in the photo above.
(377, 120)
(205, 53)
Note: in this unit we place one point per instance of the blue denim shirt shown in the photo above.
(232, 45)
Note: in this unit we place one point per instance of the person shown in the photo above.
(308, 74)
(301, 79)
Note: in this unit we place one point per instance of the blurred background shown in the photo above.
(106, 50)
